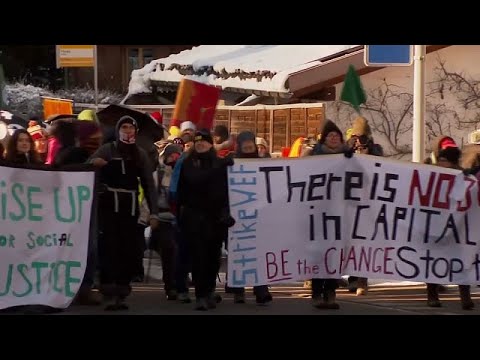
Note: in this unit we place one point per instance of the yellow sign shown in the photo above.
(75, 56)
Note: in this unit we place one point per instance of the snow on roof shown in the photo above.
(252, 67)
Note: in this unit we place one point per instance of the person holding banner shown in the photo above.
(203, 211)
(360, 140)
(330, 142)
(445, 153)
(247, 149)
(121, 164)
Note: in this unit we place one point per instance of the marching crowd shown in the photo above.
(181, 193)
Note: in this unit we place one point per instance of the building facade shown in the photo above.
(116, 63)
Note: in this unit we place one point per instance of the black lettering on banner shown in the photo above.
(400, 214)
(381, 218)
(312, 225)
(391, 190)
(292, 185)
(331, 179)
(400, 253)
(427, 223)
(312, 185)
(410, 225)
(355, 224)
(476, 263)
(467, 231)
(427, 259)
(453, 269)
(349, 184)
(337, 224)
(435, 268)
(267, 170)
(450, 225)
(373, 191)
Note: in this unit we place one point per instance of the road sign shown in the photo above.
(75, 56)
(388, 55)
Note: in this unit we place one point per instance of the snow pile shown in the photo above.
(26, 99)
(273, 63)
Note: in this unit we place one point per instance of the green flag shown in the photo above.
(352, 91)
(3, 91)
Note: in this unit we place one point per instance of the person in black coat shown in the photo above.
(202, 207)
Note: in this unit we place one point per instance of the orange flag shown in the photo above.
(195, 102)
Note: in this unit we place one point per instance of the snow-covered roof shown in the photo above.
(250, 67)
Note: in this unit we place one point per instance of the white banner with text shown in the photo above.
(329, 216)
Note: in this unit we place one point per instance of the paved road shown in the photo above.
(291, 299)
(149, 299)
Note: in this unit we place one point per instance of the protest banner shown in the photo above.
(329, 216)
(45, 223)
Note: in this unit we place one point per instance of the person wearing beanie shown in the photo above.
(187, 127)
(88, 115)
(360, 141)
(122, 163)
(202, 198)
(247, 149)
(445, 153)
(329, 142)
(163, 237)
(262, 147)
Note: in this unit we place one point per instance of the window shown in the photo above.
(147, 56)
(139, 57)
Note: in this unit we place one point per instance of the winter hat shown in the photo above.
(261, 141)
(186, 125)
(87, 115)
(203, 135)
(157, 116)
(125, 120)
(449, 150)
(178, 141)
(360, 127)
(328, 127)
(171, 149)
(474, 137)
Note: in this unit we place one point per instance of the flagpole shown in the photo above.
(418, 141)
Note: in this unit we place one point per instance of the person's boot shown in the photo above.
(352, 285)
(262, 295)
(465, 297)
(184, 298)
(116, 303)
(239, 298)
(362, 286)
(432, 296)
(329, 299)
(88, 297)
(201, 304)
(171, 294)
(317, 302)
(212, 301)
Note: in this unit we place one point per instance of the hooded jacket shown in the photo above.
(111, 151)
